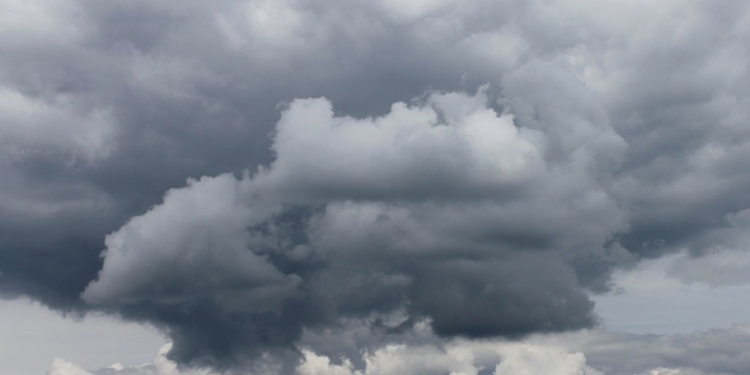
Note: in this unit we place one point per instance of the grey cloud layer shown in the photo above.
(714, 352)
(606, 134)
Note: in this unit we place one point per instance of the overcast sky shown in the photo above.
(375, 187)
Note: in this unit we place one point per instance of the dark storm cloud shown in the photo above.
(604, 135)
(456, 258)
(150, 94)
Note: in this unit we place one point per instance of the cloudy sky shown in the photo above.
(373, 187)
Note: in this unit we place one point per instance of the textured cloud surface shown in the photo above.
(441, 210)
(476, 167)
(583, 353)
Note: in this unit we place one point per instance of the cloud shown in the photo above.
(31, 127)
(63, 367)
(431, 209)
(588, 352)
(200, 234)
(41, 23)
(459, 358)
(715, 351)
(473, 150)
(549, 145)
(723, 260)
(160, 366)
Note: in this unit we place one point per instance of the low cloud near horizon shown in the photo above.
(257, 179)
(588, 352)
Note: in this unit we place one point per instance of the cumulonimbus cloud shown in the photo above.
(606, 135)
(444, 210)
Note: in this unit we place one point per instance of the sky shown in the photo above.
(374, 187)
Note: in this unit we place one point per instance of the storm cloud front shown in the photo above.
(272, 183)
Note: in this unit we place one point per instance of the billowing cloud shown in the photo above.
(444, 209)
(549, 144)
(465, 358)
(63, 367)
(588, 352)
